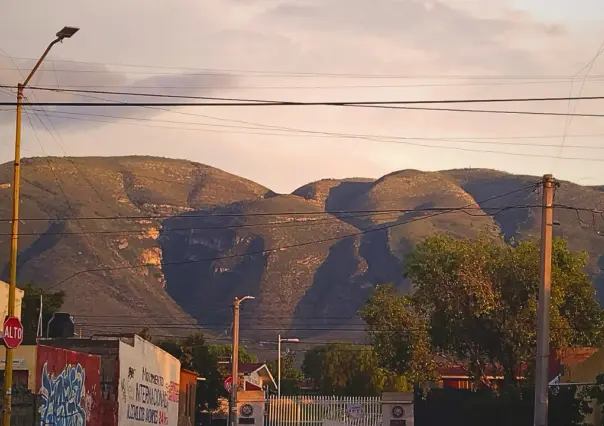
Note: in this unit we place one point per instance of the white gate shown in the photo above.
(324, 411)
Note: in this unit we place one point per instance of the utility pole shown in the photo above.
(545, 284)
(66, 32)
(235, 358)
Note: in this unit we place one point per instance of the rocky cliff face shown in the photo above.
(143, 241)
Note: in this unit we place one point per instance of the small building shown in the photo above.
(4, 300)
(139, 381)
(256, 376)
(186, 404)
(582, 374)
(24, 366)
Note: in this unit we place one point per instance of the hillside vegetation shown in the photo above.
(137, 241)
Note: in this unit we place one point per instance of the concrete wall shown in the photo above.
(24, 359)
(148, 385)
(4, 301)
(62, 373)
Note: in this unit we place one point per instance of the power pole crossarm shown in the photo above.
(541, 379)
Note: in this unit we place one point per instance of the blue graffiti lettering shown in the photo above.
(62, 397)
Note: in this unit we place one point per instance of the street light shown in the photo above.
(279, 340)
(235, 356)
(66, 32)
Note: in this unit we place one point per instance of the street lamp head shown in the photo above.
(246, 298)
(67, 32)
(292, 340)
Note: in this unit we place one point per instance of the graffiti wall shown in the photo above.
(148, 385)
(69, 386)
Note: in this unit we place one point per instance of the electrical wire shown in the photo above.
(292, 246)
(374, 138)
(258, 103)
(251, 102)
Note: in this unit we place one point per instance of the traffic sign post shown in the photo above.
(12, 332)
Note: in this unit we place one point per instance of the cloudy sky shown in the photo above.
(314, 50)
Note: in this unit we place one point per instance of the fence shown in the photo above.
(24, 409)
(324, 411)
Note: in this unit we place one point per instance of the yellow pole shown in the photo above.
(8, 366)
(14, 243)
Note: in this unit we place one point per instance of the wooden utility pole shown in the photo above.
(545, 281)
(235, 361)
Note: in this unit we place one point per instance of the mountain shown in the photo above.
(145, 241)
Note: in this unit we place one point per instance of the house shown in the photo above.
(256, 376)
(455, 374)
(585, 373)
(4, 300)
(24, 366)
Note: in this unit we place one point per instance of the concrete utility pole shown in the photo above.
(541, 380)
(235, 358)
(66, 32)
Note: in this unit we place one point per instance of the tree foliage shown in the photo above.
(352, 370)
(290, 376)
(197, 355)
(399, 335)
(30, 310)
(477, 302)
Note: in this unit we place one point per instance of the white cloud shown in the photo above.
(403, 37)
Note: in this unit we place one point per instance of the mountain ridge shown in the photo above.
(172, 241)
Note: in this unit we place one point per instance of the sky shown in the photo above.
(314, 50)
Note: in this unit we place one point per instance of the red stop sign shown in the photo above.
(12, 332)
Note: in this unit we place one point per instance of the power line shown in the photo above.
(337, 103)
(288, 247)
(301, 133)
(284, 224)
(251, 102)
(283, 213)
(297, 74)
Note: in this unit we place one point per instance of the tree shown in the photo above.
(30, 310)
(197, 355)
(346, 369)
(479, 299)
(399, 335)
(290, 376)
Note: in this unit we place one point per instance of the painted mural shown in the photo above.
(69, 385)
(149, 385)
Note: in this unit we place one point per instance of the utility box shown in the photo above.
(250, 408)
(397, 409)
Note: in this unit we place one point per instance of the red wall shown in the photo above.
(69, 383)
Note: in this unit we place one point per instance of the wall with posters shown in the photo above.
(69, 386)
(148, 385)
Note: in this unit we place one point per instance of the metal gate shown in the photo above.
(24, 408)
(324, 411)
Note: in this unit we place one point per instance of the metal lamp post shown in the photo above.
(279, 340)
(66, 32)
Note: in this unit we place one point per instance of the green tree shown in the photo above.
(479, 300)
(290, 376)
(399, 334)
(197, 355)
(346, 369)
(30, 310)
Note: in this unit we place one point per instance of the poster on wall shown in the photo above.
(69, 386)
(148, 385)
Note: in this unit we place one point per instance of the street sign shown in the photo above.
(228, 384)
(12, 332)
